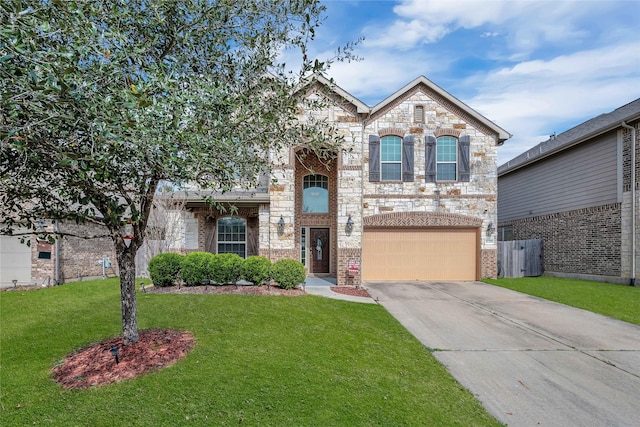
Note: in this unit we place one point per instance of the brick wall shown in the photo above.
(583, 241)
(79, 256)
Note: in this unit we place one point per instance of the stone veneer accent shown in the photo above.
(584, 241)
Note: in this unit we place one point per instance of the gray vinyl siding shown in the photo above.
(580, 177)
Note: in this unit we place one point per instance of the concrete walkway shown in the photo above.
(529, 361)
(322, 286)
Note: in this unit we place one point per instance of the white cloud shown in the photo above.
(536, 97)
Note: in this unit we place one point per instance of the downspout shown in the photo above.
(633, 202)
(56, 271)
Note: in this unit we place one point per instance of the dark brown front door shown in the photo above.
(320, 249)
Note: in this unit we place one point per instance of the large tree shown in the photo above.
(103, 101)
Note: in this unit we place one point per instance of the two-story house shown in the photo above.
(578, 192)
(412, 195)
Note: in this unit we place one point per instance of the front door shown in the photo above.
(320, 248)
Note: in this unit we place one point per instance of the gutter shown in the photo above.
(633, 201)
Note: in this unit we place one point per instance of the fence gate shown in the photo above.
(520, 258)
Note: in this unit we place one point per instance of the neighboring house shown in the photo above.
(575, 192)
(68, 259)
(412, 197)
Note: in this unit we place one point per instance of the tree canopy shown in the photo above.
(102, 101)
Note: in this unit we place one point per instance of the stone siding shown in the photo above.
(362, 200)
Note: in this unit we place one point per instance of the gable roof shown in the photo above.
(421, 82)
(576, 135)
(449, 99)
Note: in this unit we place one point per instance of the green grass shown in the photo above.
(268, 361)
(617, 301)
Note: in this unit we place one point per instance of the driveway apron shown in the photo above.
(529, 361)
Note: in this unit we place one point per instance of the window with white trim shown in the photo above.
(446, 158)
(391, 158)
(232, 236)
(315, 194)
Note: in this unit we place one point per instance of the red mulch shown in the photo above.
(225, 289)
(348, 290)
(95, 365)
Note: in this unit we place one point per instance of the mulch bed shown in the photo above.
(348, 290)
(224, 289)
(95, 365)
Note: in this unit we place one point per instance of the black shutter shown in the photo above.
(430, 159)
(407, 159)
(463, 158)
(374, 158)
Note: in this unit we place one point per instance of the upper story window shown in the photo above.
(446, 158)
(315, 194)
(418, 114)
(391, 158)
(232, 236)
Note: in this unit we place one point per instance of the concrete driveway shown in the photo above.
(529, 361)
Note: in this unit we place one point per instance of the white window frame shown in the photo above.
(231, 242)
(387, 162)
(446, 162)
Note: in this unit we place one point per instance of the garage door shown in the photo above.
(15, 261)
(390, 254)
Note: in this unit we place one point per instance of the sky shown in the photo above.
(533, 68)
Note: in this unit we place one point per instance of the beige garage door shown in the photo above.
(15, 261)
(419, 254)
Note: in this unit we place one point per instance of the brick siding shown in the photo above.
(583, 241)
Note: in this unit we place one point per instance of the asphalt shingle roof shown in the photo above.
(583, 132)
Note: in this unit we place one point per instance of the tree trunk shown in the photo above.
(127, 266)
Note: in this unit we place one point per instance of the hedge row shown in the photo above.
(198, 268)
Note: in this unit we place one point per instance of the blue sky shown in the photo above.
(534, 68)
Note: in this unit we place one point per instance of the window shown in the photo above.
(303, 246)
(505, 233)
(446, 158)
(315, 194)
(418, 114)
(232, 236)
(391, 158)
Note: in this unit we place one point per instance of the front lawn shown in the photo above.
(617, 301)
(258, 360)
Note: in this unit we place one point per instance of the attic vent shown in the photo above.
(418, 114)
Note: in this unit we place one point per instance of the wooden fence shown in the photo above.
(520, 258)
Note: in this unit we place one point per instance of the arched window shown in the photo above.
(446, 158)
(315, 194)
(232, 236)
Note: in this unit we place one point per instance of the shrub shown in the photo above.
(225, 268)
(256, 269)
(196, 268)
(288, 273)
(164, 269)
